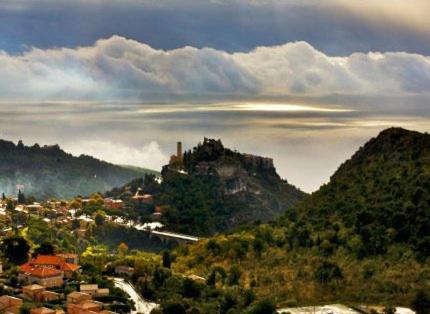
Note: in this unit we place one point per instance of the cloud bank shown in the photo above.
(149, 155)
(118, 68)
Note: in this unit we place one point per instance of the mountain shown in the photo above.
(363, 238)
(382, 193)
(48, 171)
(212, 188)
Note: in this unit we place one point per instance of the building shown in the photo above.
(48, 270)
(113, 203)
(45, 310)
(124, 270)
(86, 307)
(94, 290)
(158, 212)
(77, 297)
(176, 161)
(10, 305)
(33, 291)
(46, 277)
(142, 197)
(70, 258)
(37, 292)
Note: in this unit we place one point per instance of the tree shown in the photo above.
(25, 308)
(15, 249)
(100, 218)
(173, 308)
(421, 302)
(21, 197)
(234, 276)
(258, 246)
(46, 248)
(10, 206)
(389, 310)
(327, 272)
(190, 289)
(122, 249)
(75, 224)
(263, 307)
(211, 281)
(166, 259)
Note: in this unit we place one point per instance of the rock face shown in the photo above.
(244, 187)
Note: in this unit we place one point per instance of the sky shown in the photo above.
(304, 82)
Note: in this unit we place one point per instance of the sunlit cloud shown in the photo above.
(121, 69)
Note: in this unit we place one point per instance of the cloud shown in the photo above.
(148, 156)
(120, 68)
(338, 27)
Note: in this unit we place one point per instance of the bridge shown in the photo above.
(166, 236)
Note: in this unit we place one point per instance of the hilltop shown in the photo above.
(48, 171)
(361, 238)
(382, 193)
(211, 188)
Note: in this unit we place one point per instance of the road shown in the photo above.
(141, 305)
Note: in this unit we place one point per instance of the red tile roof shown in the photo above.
(43, 272)
(47, 260)
(70, 267)
(52, 262)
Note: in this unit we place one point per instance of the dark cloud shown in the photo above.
(229, 25)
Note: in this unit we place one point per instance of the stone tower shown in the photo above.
(179, 151)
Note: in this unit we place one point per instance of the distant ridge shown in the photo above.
(49, 172)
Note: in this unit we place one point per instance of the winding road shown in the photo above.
(141, 305)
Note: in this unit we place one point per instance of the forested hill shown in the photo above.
(382, 193)
(219, 189)
(48, 171)
(362, 238)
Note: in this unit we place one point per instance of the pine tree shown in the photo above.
(21, 197)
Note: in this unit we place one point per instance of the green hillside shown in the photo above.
(48, 171)
(363, 238)
(381, 195)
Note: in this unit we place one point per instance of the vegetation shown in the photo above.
(50, 172)
(361, 238)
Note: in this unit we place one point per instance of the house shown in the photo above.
(113, 203)
(103, 292)
(58, 262)
(34, 208)
(197, 278)
(42, 310)
(124, 270)
(158, 212)
(77, 297)
(37, 292)
(86, 307)
(33, 291)
(141, 197)
(47, 270)
(44, 276)
(93, 290)
(10, 305)
(48, 296)
(70, 258)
